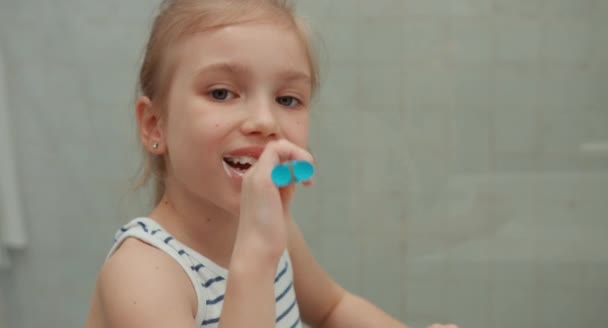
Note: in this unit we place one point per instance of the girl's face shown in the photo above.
(234, 89)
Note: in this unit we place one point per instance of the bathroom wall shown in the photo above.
(474, 170)
(461, 148)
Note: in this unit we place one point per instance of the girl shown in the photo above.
(226, 87)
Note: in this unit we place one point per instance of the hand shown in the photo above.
(264, 207)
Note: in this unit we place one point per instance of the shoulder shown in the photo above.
(141, 286)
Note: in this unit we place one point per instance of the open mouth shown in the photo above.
(238, 164)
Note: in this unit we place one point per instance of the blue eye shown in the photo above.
(288, 101)
(221, 94)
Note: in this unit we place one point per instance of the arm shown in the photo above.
(354, 311)
(249, 299)
(323, 303)
(261, 239)
(141, 287)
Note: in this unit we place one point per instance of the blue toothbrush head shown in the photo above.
(292, 172)
(281, 175)
(302, 170)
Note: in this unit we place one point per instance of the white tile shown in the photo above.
(425, 39)
(381, 8)
(590, 199)
(380, 40)
(470, 207)
(555, 205)
(306, 212)
(599, 36)
(471, 40)
(337, 215)
(470, 133)
(558, 273)
(338, 41)
(343, 246)
(517, 84)
(333, 173)
(448, 8)
(427, 8)
(517, 128)
(594, 122)
(470, 7)
(469, 261)
(569, 8)
(379, 86)
(426, 131)
(514, 8)
(516, 162)
(383, 162)
(429, 83)
(592, 163)
(328, 8)
(425, 216)
(559, 307)
(515, 211)
(467, 303)
(574, 87)
(514, 250)
(567, 41)
(337, 126)
(339, 87)
(593, 306)
(424, 268)
(425, 303)
(380, 269)
(474, 84)
(518, 39)
(555, 248)
(513, 305)
(516, 272)
(381, 213)
(563, 131)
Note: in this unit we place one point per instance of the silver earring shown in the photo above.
(155, 145)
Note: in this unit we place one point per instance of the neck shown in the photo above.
(199, 224)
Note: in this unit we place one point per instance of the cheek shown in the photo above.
(297, 132)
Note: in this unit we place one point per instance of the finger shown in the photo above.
(287, 195)
(308, 183)
(283, 151)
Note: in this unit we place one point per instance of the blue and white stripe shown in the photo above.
(209, 279)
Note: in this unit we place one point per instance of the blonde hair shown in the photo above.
(178, 19)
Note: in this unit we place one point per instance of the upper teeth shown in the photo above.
(241, 159)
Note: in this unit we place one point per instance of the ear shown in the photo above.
(151, 131)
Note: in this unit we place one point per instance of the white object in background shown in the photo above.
(12, 228)
(597, 148)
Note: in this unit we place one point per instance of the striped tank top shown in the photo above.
(208, 278)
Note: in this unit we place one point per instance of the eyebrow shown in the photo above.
(232, 68)
(224, 67)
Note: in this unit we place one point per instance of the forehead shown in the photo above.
(257, 45)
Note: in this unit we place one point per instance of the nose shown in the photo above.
(261, 120)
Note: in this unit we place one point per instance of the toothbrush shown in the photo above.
(290, 172)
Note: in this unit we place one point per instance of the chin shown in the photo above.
(234, 205)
